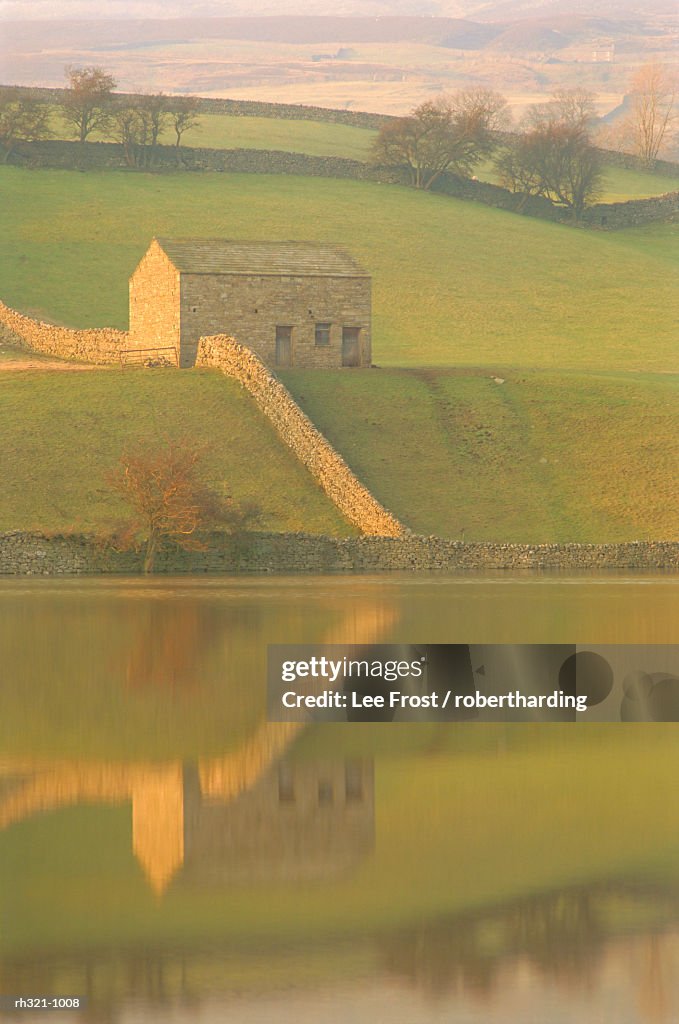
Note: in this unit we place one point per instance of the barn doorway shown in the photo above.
(284, 346)
(351, 346)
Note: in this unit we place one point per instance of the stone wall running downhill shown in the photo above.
(95, 345)
(299, 433)
(34, 554)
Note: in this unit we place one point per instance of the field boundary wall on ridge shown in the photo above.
(298, 432)
(167, 159)
(93, 345)
(329, 115)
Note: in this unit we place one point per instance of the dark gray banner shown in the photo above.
(475, 683)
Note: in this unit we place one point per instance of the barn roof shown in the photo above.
(223, 256)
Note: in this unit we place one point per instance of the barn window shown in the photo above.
(322, 335)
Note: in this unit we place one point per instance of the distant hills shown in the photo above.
(384, 62)
(539, 33)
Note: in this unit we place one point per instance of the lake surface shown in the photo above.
(169, 854)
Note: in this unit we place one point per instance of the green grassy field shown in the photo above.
(541, 457)
(535, 459)
(220, 131)
(454, 283)
(619, 183)
(584, 450)
(64, 431)
(318, 138)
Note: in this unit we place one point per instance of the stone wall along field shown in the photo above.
(299, 433)
(96, 345)
(108, 155)
(34, 554)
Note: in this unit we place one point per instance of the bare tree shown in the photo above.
(23, 118)
(168, 498)
(125, 127)
(653, 114)
(87, 102)
(183, 114)
(574, 107)
(154, 116)
(171, 500)
(553, 155)
(137, 123)
(445, 134)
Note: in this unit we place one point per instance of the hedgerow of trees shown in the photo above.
(550, 155)
(90, 105)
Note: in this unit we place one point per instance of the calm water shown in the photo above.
(172, 856)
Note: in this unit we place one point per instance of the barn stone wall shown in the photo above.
(154, 302)
(250, 307)
(299, 433)
(96, 345)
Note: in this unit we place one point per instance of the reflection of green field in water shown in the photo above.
(453, 832)
(144, 670)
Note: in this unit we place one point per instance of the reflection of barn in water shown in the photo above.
(301, 820)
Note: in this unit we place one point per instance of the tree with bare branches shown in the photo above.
(86, 105)
(653, 115)
(574, 107)
(553, 155)
(445, 134)
(183, 115)
(24, 117)
(170, 499)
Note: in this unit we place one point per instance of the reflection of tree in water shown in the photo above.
(171, 641)
(561, 934)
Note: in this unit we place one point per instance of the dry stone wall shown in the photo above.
(107, 155)
(97, 345)
(634, 212)
(34, 554)
(299, 433)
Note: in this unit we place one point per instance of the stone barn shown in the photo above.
(293, 303)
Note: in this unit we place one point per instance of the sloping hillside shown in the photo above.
(454, 283)
(62, 433)
(508, 455)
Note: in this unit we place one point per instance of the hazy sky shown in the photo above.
(22, 9)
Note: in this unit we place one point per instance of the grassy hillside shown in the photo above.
(540, 457)
(619, 183)
(63, 431)
(318, 138)
(219, 131)
(454, 283)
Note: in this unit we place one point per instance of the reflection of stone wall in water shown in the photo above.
(300, 821)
